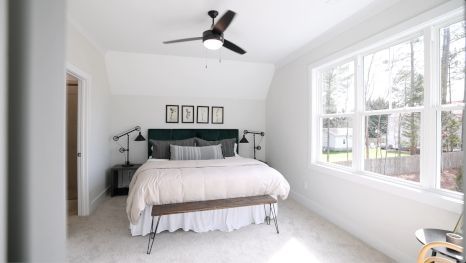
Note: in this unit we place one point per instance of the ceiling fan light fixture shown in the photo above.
(213, 44)
(211, 40)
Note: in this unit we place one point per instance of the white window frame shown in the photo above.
(430, 127)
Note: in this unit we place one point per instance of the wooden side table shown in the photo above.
(428, 235)
(121, 177)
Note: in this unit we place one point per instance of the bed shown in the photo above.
(162, 182)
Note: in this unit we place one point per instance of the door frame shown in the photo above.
(84, 84)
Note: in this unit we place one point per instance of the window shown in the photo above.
(378, 114)
(393, 80)
(452, 72)
(337, 85)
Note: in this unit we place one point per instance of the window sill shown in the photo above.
(450, 201)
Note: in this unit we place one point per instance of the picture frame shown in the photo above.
(217, 115)
(202, 115)
(187, 114)
(172, 113)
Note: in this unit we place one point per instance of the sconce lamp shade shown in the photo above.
(140, 138)
(244, 140)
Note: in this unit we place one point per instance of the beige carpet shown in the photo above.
(304, 237)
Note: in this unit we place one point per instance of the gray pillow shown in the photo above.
(161, 149)
(195, 153)
(228, 145)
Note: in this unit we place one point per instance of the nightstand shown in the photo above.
(121, 177)
(264, 162)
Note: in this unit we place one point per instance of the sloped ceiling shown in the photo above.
(173, 76)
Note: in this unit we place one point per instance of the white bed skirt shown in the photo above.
(223, 219)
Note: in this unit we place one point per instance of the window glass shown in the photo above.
(393, 77)
(452, 151)
(338, 89)
(337, 140)
(452, 57)
(392, 145)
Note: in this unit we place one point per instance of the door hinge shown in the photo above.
(79, 154)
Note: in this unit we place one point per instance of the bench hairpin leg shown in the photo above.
(267, 217)
(270, 213)
(152, 234)
(274, 217)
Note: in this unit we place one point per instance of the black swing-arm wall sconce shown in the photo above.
(244, 140)
(122, 149)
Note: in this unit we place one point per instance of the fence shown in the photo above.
(407, 164)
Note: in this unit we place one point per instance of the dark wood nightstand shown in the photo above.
(121, 177)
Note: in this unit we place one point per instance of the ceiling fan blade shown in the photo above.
(182, 40)
(233, 47)
(223, 23)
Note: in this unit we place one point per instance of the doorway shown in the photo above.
(77, 84)
(72, 102)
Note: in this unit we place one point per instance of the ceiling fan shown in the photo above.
(213, 38)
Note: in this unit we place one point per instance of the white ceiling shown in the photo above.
(268, 30)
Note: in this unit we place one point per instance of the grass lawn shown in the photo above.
(343, 156)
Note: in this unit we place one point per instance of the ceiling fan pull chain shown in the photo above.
(220, 55)
(205, 57)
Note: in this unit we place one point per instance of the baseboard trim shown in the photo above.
(352, 227)
(99, 199)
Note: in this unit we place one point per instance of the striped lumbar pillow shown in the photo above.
(228, 145)
(195, 153)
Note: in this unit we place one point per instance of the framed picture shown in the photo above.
(217, 115)
(202, 114)
(187, 114)
(172, 113)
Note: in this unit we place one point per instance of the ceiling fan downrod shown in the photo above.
(213, 14)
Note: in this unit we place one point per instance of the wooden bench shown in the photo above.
(170, 209)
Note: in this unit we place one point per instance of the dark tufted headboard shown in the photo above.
(181, 134)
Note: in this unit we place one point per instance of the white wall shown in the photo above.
(83, 54)
(36, 134)
(149, 112)
(384, 220)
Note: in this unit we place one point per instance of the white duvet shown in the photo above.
(165, 182)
